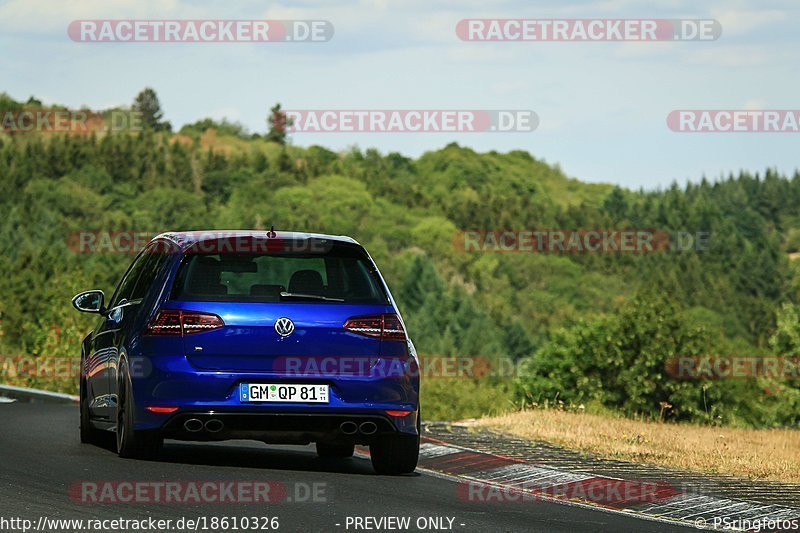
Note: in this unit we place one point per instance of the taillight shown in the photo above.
(194, 322)
(393, 328)
(166, 322)
(385, 327)
(176, 322)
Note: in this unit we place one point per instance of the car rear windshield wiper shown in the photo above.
(301, 296)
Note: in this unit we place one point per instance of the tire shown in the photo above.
(133, 444)
(395, 454)
(335, 450)
(89, 433)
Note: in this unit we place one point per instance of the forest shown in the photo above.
(591, 330)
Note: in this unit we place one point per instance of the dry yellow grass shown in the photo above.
(772, 454)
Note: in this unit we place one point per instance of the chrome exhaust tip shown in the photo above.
(193, 425)
(368, 428)
(214, 425)
(348, 428)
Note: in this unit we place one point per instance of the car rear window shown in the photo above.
(341, 274)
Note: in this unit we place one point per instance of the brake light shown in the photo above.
(393, 328)
(385, 327)
(194, 322)
(176, 322)
(166, 322)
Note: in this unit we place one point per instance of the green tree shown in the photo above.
(616, 205)
(278, 124)
(146, 103)
(621, 361)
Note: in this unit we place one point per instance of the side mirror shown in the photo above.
(90, 302)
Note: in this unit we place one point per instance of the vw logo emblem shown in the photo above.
(284, 327)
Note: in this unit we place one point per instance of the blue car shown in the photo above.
(285, 338)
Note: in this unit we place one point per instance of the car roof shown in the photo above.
(185, 239)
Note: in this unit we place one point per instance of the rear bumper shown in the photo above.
(171, 381)
(286, 428)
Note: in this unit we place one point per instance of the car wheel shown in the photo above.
(130, 443)
(89, 434)
(395, 454)
(335, 450)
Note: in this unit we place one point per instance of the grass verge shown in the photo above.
(771, 454)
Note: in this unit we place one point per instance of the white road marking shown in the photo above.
(531, 477)
(429, 449)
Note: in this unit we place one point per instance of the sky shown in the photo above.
(602, 106)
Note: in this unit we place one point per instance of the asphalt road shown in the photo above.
(41, 458)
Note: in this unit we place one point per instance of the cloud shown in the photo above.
(43, 16)
(733, 56)
(736, 23)
(755, 103)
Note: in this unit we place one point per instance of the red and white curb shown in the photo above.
(493, 479)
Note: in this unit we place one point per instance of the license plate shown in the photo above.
(283, 392)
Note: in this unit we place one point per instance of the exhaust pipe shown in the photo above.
(348, 428)
(368, 428)
(193, 425)
(214, 425)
